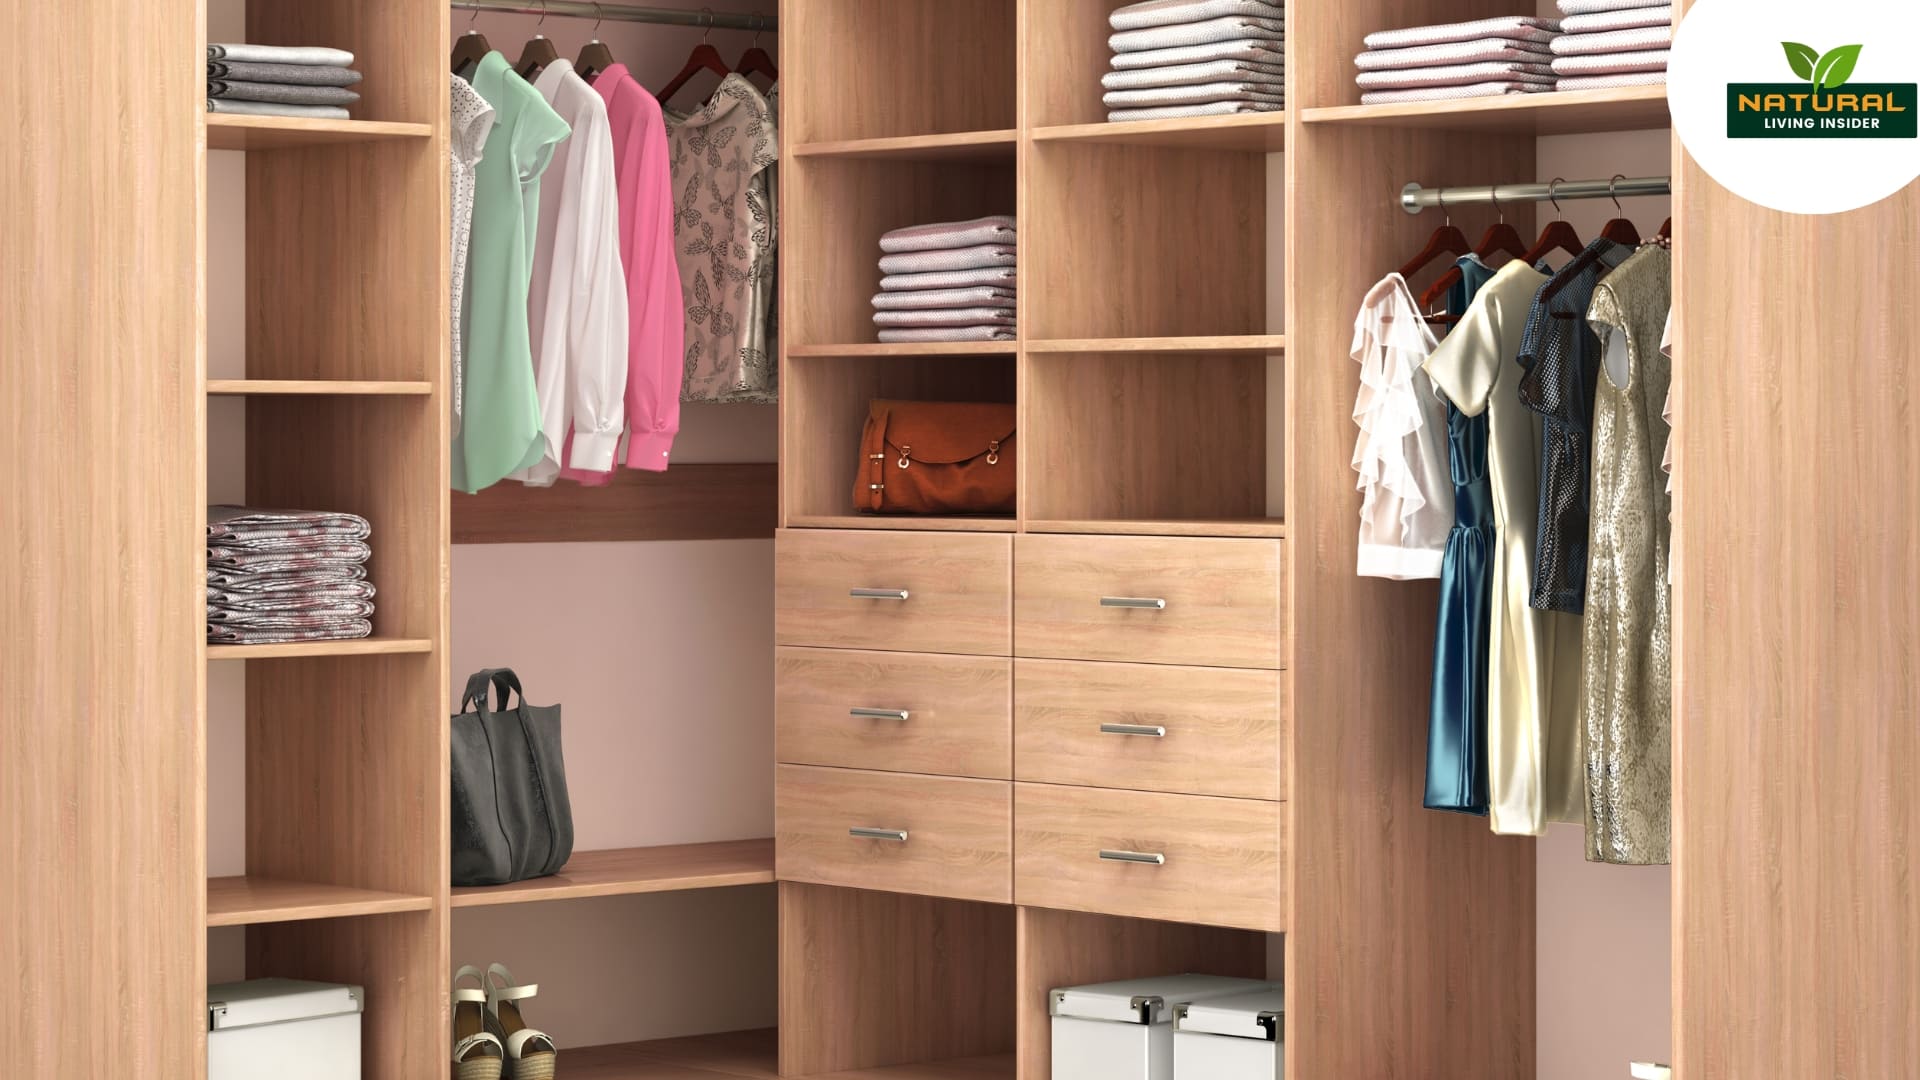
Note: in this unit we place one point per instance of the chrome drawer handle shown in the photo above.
(864, 833)
(878, 594)
(1152, 858)
(1154, 731)
(880, 714)
(1149, 603)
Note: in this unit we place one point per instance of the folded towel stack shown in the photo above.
(280, 80)
(1509, 54)
(286, 575)
(1606, 43)
(952, 281)
(1180, 58)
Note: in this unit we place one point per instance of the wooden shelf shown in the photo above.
(1273, 528)
(1259, 344)
(926, 348)
(903, 522)
(226, 131)
(968, 146)
(687, 502)
(625, 871)
(245, 901)
(1258, 133)
(341, 387)
(1574, 112)
(750, 1054)
(367, 646)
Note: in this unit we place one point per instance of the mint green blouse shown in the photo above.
(500, 408)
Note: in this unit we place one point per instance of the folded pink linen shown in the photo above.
(961, 333)
(945, 235)
(1169, 12)
(1611, 82)
(1600, 22)
(1610, 63)
(1454, 52)
(1449, 93)
(1509, 27)
(1614, 41)
(1455, 75)
(1588, 7)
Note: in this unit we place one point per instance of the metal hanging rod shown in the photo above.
(1414, 198)
(573, 9)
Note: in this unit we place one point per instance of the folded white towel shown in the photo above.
(1454, 52)
(1166, 12)
(1510, 27)
(1232, 28)
(1449, 93)
(1625, 19)
(970, 258)
(1614, 41)
(998, 276)
(1250, 49)
(1193, 95)
(1182, 112)
(943, 235)
(984, 316)
(928, 299)
(1588, 7)
(1195, 74)
(1611, 63)
(1613, 82)
(957, 333)
(1455, 75)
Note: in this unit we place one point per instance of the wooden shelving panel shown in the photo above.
(341, 387)
(903, 522)
(229, 132)
(247, 901)
(970, 146)
(1265, 528)
(1256, 344)
(925, 348)
(624, 871)
(751, 1054)
(1257, 133)
(367, 646)
(1634, 108)
(687, 502)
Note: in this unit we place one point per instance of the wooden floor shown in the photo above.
(746, 1054)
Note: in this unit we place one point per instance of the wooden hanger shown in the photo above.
(1666, 230)
(756, 61)
(471, 48)
(539, 50)
(703, 58)
(1619, 230)
(595, 57)
(1557, 236)
(1446, 240)
(1500, 238)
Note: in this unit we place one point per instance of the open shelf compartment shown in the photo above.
(880, 69)
(628, 871)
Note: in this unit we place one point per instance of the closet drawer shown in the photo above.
(947, 714)
(1181, 858)
(904, 591)
(927, 835)
(1157, 600)
(1200, 731)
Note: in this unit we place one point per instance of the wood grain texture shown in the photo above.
(1381, 892)
(285, 650)
(1255, 527)
(1223, 599)
(1797, 911)
(1068, 948)
(1257, 344)
(870, 979)
(246, 387)
(975, 146)
(923, 67)
(628, 871)
(1574, 112)
(752, 1054)
(1225, 729)
(1225, 858)
(102, 519)
(959, 708)
(959, 591)
(393, 957)
(959, 841)
(687, 502)
(1253, 133)
(242, 901)
(904, 523)
(228, 131)
(1065, 57)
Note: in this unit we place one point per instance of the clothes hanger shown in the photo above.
(539, 50)
(1666, 230)
(703, 58)
(595, 57)
(1500, 238)
(756, 61)
(471, 48)
(1558, 235)
(1446, 240)
(1619, 230)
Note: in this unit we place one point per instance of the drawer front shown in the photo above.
(1180, 858)
(926, 835)
(1155, 600)
(897, 712)
(1197, 731)
(902, 591)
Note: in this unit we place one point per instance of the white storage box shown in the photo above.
(284, 1029)
(1239, 1037)
(1124, 1030)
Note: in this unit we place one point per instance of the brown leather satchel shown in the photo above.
(936, 457)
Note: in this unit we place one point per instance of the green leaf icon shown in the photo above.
(1802, 57)
(1836, 67)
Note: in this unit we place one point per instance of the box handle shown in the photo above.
(1152, 731)
(1152, 858)
(866, 833)
(880, 714)
(878, 594)
(1148, 603)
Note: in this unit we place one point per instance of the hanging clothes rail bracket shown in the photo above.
(1414, 198)
(707, 20)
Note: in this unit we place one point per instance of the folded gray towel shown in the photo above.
(1252, 50)
(1161, 96)
(266, 611)
(997, 276)
(316, 557)
(1168, 12)
(1231, 28)
(276, 108)
(289, 74)
(1195, 74)
(940, 236)
(227, 523)
(238, 600)
(961, 333)
(248, 581)
(968, 258)
(280, 93)
(983, 316)
(281, 54)
(930, 299)
(1182, 112)
(320, 630)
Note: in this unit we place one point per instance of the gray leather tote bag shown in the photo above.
(511, 817)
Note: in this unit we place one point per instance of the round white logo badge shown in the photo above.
(1810, 108)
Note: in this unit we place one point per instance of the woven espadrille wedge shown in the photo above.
(531, 1054)
(477, 1053)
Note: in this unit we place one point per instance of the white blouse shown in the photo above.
(1406, 483)
(472, 121)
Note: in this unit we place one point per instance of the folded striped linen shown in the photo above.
(1001, 276)
(227, 524)
(246, 581)
(1218, 71)
(288, 74)
(255, 611)
(1624, 19)
(286, 575)
(995, 229)
(983, 296)
(977, 257)
(317, 55)
(319, 629)
(1152, 13)
(1614, 41)
(1588, 7)
(982, 316)
(236, 107)
(1449, 93)
(1182, 112)
(1455, 75)
(1610, 82)
(1202, 94)
(958, 333)
(284, 93)
(307, 592)
(1507, 27)
(1231, 28)
(303, 559)
(1609, 64)
(1485, 50)
(1252, 50)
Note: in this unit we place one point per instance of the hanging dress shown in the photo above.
(1627, 656)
